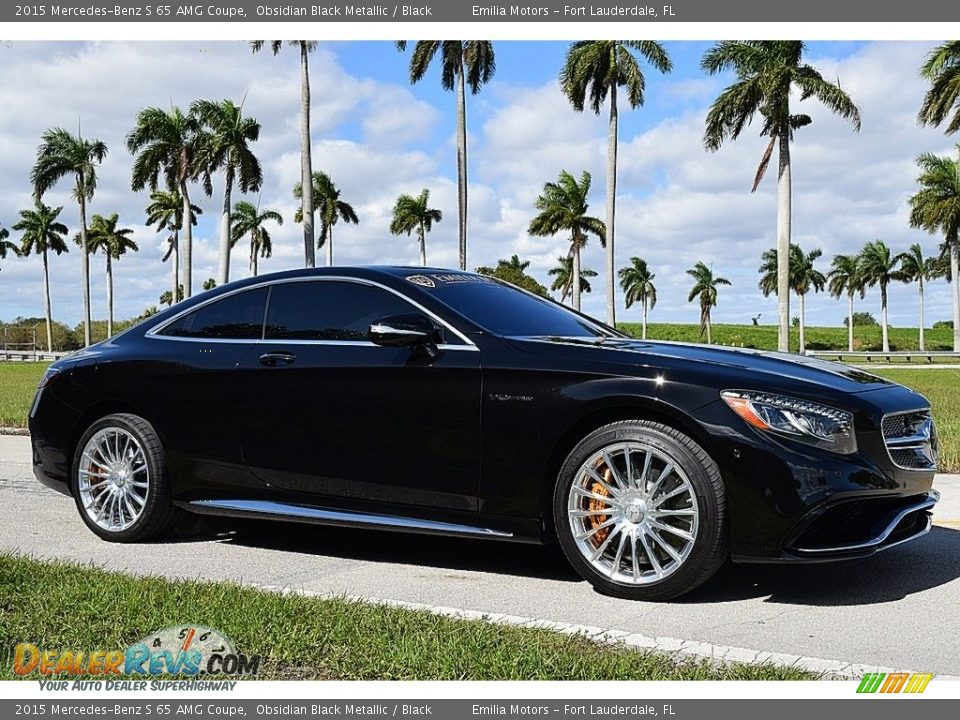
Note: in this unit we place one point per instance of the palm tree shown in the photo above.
(803, 277)
(936, 208)
(705, 289)
(878, 266)
(166, 298)
(563, 208)
(169, 143)
(766, 72)
(115, 242)
(463, 62)
(413, 213)
(514, 272)
(42, 233)
(942, 70)
(637, 283)
(209, 284)
(327, 202)
(563, 275)
(7, 246)
(306, 162)
(250, 220)
(844, 278)
(61, 154)
(229, 135)
(166, 211)
(914, 267)
(600, 67)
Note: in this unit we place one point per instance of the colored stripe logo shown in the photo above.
(894, 682)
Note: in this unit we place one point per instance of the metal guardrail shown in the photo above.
(870, 356)
(31, 355)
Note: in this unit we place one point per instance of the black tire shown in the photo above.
(158, 514)
(709, 550)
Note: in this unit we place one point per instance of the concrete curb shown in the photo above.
(718, 654)
(14, 431)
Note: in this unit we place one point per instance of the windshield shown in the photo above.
(504, 310)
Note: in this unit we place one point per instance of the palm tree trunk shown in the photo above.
(223, 265)
(330, 244)
(187, 246)
(922, 344)
(850, 322)
(955, 280)
(709, 328)
(46, 302)
(306, 163)
(611, 206)
(109, 296)
(423, 246)
(175, 265)
(575, 280)
(883, 318)
(85, 263)
(643, 333)
(784, 191)
(253, 254)
(462, 165)
(803, 340)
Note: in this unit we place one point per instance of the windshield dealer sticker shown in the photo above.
(431, 281)
(421, 280)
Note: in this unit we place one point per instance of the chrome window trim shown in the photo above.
(154, 332)
(886, 446)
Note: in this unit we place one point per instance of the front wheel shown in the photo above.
(640, 511)
(120, 481)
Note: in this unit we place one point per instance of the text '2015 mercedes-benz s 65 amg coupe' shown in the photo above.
(444, 402)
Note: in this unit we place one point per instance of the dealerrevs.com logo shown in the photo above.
(189, 650)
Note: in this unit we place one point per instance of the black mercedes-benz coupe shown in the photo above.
(444, 402)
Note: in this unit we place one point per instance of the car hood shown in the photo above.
(757, 365)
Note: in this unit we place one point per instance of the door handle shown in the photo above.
(272, 359)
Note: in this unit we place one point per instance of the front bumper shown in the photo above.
(861, 527)
(790, 502)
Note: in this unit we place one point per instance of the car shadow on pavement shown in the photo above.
(454, 554)
(891, 575)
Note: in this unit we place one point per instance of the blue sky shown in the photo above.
(379, 136)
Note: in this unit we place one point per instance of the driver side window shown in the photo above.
(329, 310)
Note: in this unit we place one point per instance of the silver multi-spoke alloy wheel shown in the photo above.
(113, 479)
(633, 513)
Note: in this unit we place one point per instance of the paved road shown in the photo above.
(899, 609)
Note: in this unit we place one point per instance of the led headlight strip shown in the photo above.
(804, 421)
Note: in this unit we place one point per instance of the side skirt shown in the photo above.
(269, 510)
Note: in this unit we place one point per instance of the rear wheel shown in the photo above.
(640, 511)
(120, 480)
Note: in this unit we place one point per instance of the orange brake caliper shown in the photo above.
(593, 505)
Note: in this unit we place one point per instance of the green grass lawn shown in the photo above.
(18, 382)
(764, 337)
(60, 606)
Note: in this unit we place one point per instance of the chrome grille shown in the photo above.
(911, 439)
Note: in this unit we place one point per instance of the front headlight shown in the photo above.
(801, 420)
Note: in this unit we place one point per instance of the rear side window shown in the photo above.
(235, 317)
(329, 310)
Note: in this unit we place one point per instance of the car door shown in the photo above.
(183, 383)
(325, 412)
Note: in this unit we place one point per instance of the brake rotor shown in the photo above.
(594, 505)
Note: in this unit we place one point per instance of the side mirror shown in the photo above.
(411, 331)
